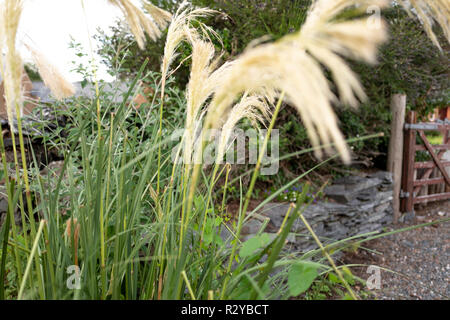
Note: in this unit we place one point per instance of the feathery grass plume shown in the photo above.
(161, 17)
(294, 64)
(179, 30)
(203, 82)
(11, 63)
(355, 39)
(253, 107)
(140, 23)
(198, 88)
(2, 31)
(429, 11)
(53, 79)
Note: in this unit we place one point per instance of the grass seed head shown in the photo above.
(180, 30)
(253, 107)
(10, 61)
(430, 11)
(140, 23)
(294, 64)
(52, 77)
(161, 17)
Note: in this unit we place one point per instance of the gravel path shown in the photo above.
(421, 258)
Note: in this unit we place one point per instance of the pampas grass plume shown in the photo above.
(52, 77)
(429, 10)
(140, 23)
(294, 65)
(11, 63)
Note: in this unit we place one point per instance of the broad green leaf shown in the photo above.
(300, 277)
(208, 237)
(251, 245)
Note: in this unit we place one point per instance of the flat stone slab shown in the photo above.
(365, 205)
(346, 189)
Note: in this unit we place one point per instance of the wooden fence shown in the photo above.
(424, 181)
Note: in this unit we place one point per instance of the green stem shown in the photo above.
(28, 196)
(325, 252)
(250, 191)
(30, 259)
(158, 140)
(6, 228)
(188, 284)
(11, 208)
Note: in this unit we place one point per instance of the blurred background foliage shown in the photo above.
(408, 63)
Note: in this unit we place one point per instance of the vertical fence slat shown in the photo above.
(407, 203)
(395, 154)
(446, 139)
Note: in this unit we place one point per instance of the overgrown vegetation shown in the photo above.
(122, 219)
(408, 62)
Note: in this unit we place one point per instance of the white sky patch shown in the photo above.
(50, 23)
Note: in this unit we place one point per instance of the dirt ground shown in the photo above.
(415, 264)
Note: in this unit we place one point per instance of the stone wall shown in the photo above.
(354, 205)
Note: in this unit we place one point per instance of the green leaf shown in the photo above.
(208, 238)
(251, 245)
(348, 276)
(218, 240)
(333, 278)
(218, 221)
(300, 277)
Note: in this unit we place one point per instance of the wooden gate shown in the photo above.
(414, 179)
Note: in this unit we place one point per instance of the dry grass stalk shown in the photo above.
(253, 107)
(140, 23)
(204, 80)
(11, 62)
(429, 11)
(179, 30)
(52, 77)
(161, 17)
(73, 225)
(294, 64)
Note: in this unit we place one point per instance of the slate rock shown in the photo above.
(276, 212)
(384, 176)
(351, 185)
(339, 209)
(376, 217)
(3, 200)
(251, 226)
(362, 205)
(316, 212)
